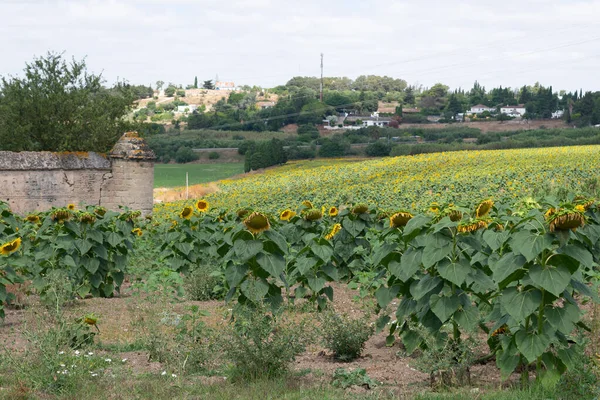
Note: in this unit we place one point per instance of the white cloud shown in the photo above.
(266, 41)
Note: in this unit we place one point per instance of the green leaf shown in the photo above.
(108, 289)
(381, 252)
(114, 239)
(83, 291)
(381, 322)
(443, 307)
(531, 345)
(385, 295)
(324, 252)
(90, 264)
(331, 271)
(354, 227)
(563, 319)
(579, 253)
(530, 244)
(255, 289)
(96, 280)
(415, 223)
(428, 283)
(316, 283)
(480, 282)
(274, 264)
(520, 305)
(553, 279)
(305, 264)
(432, 255)
(467, 317)
(568, 356)
(278, 239)
(184, 247)
(83, 245)
(234, 274)
(411, 340)
(246, 249)
(495, 239)
(455, 272)
(507, 361)
(69, 262)
(409, 264)
(96, 236)
(503, 268)
(101, 252)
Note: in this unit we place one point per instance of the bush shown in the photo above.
(344, 336)
(180, 93)
(300, 153)
(309, 130)
(185, 154)
(261, 345)
(202, 284)
(334, 148)
(378, 149)
(213, 155)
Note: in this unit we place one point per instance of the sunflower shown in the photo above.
(360, 209)
(202, 205)
(434, 208)
(500, 331)
(187, 212)
(10, 247)
(257, 222)
(33, 218)
(580, 208)
(307, 204)
(60, 215)
(333, 212)
(455, 215)
(334, 231)
(287, 215)
(400, 219)
(90, 319)
(562, 221)
(87, 218)
(313, 215)
(137, 231)
(242, 213)
(484, 208)
(100, 211)
(551, 211)
(472, 226)
(71, 206)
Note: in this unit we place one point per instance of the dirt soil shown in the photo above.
(496, 126)
(121, 321)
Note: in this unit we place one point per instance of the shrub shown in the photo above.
(378, 149)
(261, 345)
(213, 155)
(185, 154)
(309, 130)
(203, 284)
(344, 378)
(344, 336)
(333, 148)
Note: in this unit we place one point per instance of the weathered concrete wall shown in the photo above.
(36, 181)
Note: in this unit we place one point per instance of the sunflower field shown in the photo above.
(412, 182)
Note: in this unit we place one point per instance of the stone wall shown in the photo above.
(37, 181)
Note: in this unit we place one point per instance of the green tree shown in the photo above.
(159, 85)
(195, 82)
(208, 85)
(60, 106)
(170, 91)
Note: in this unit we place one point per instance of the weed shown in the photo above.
(344, 336)
(345, 378)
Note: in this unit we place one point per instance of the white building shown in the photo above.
(514, 111)
(479, 108)
(373, 120)
(558, 114)
(188, 108)
(220, 85)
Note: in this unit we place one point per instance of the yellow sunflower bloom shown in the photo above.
(580, 208)
(33, 218)
(187, 212)
(313, 215)
(202, 205)
(307, 204)
(564, 222)
(400, 219)
(333, 212)
(484, 208)
(334, 231)
(10, 247)
(137, 231)
(71, 206)
(257, 222)
(287, 215)
(360, 209)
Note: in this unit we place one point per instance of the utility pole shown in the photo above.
(321, 89)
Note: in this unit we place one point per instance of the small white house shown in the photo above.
(220, 85)
(514, 111)
(558, 114)
(479, 108)
(188, 108)
(373, 120)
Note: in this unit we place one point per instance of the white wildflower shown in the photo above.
(62, 365)
(164, 373)
(123, 360)
(61, 352)
(174, 376)
(94, 374)
(107, 360)
(90, 354)
(76, 352)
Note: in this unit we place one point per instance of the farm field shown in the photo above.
(413, 183)
(454, 275)
(173, 175)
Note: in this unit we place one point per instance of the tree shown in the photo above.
(195, 82)
(409, 96)
(208, 85)
(159, 85)
(60, 106)
(170, 91)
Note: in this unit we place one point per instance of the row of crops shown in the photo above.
(516, 273)
(412, 182)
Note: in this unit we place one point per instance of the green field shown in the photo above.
(173, 175)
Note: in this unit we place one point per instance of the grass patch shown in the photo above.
(173, 175)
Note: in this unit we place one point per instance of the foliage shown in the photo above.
(185, 154)
(261, 345)
(344, 379)
(378, 149)
(204, 282)
(344, 336)
(265, 154)
(59, 106)
(213, 155)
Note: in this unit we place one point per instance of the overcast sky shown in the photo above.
(265, 42)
